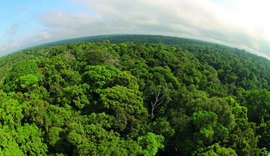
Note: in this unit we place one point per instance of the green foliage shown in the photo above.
(126, 105)
(18, 138)
(10, 110)
(99, 76)
(205, 122)
(163, 127)
(27, 81)
(150, 143)
(216, 150)
(258, 104)
(23, 75)
(119, 97)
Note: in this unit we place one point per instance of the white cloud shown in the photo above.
(237, 25)
(241, 23)
(12, 30)
(12, 45)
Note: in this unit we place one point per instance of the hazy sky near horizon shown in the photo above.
(239, 23)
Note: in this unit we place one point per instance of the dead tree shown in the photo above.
(159, 98)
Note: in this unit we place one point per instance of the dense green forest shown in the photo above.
(134, 95)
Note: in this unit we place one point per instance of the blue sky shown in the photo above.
(239, 23)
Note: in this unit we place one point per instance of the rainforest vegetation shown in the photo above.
(134, 95)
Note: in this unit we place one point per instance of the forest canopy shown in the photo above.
(134, 95)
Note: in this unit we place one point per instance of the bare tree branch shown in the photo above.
(159, 99)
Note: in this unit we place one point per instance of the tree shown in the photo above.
(23, 75)
(215, 150)
(126, 105)
(159, 99)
